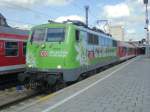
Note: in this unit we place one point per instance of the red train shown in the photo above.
(126, 50)
(12, 48)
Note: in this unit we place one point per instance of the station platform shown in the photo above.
(122, 88)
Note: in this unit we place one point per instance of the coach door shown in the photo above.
(81, 38)
(1, 47)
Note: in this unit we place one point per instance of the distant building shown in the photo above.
(117, 32)
(3, 21)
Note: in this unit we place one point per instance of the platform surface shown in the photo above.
(123, 88)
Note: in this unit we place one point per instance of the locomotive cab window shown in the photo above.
(38, 35)
(55, 34)
(11, 49)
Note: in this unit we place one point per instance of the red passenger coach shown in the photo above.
(12, 50)
(126, 50)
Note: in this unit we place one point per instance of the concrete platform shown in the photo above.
(123, 88)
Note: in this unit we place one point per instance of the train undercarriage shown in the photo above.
(48, 80)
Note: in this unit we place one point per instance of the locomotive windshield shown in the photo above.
(51, 34)
(55, 35)
(38, 35)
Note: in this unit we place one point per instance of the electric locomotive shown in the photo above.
(65, 51)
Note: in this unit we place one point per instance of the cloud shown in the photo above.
(21, 26)
(117, 11)
(58, 2)
(140, 1)
(71, 17)
(130, 14)
(25, 26)
(29, 3)
(131, 31)
(19, 2)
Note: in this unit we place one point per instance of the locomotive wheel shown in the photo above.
(80, 78)
(26, 83)
(60, 84)
(43, 87)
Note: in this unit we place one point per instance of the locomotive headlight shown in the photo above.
(30, 66)
(43, 46)
(59, 67)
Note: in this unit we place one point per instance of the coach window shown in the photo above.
(24, 48)
(11, 49)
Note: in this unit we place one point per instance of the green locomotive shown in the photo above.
(65, 51)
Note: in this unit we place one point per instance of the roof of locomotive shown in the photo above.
(47, 25)
(81, 26)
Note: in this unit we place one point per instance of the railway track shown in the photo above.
(12, 96)
(8, 81)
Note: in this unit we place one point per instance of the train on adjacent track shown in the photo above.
(12, 48)
(65, 52)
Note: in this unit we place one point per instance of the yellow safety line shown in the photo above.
(44, 98)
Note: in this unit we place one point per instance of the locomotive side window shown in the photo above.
(93, 39)
(114, 43)
(11, 49)
(90, 39)
(102, 41)
(96, 40)
(24, 48)
(77, 35)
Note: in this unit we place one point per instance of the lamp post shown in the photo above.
(86, 14)
(147, 28)
(146, 20)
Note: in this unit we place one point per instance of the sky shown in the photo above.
(27, 13)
